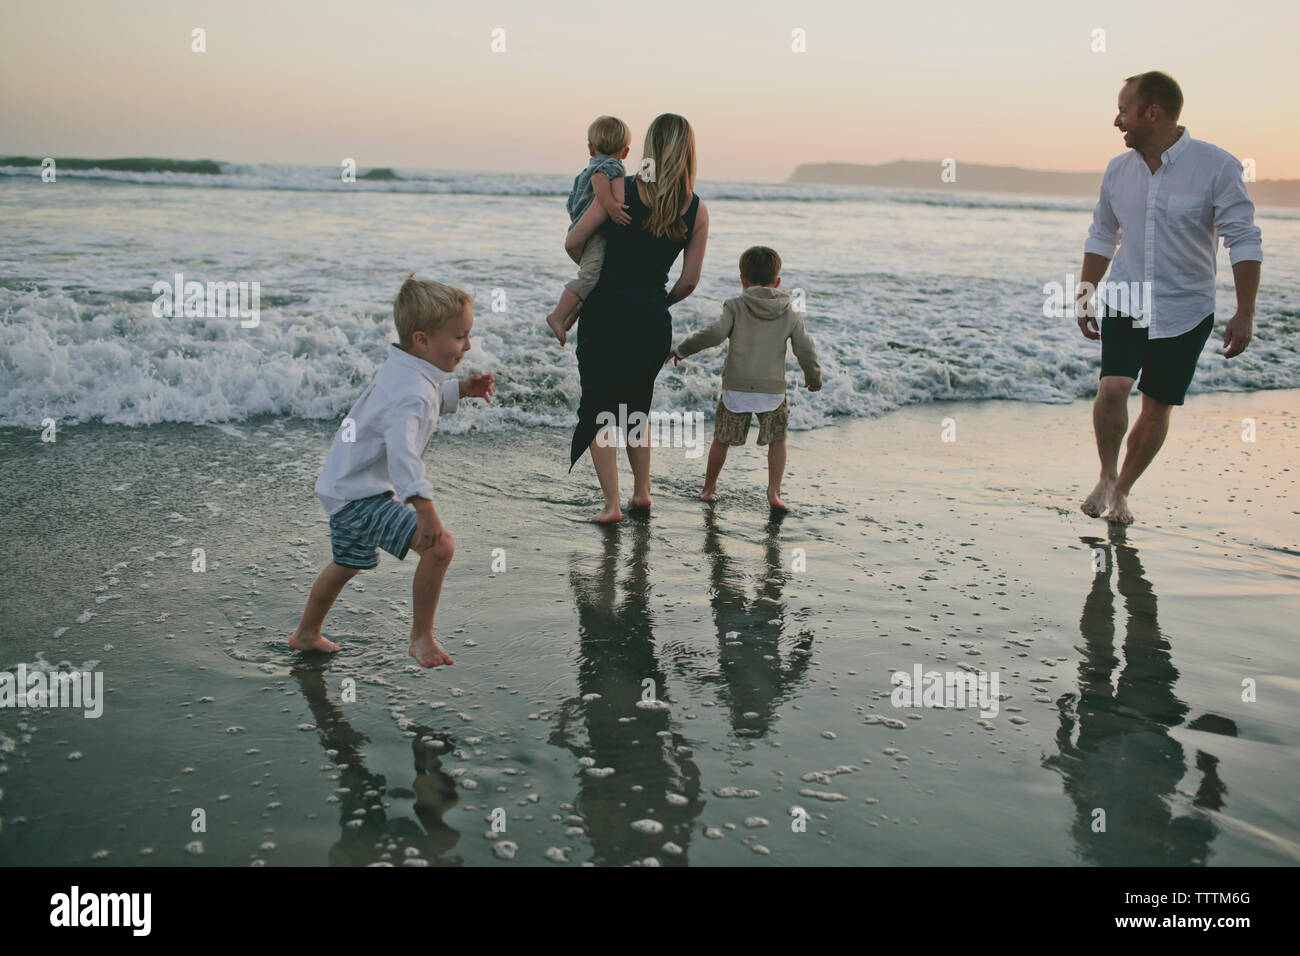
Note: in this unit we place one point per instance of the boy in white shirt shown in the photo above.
(373, 485)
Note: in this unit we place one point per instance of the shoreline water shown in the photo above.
(768, 645)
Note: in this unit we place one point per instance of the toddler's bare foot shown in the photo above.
(707, 492)
(1095, 503)
(1119, 513)
(312, 642)
(553, 321)
(608, 515)
(426, 651)
(775, 502)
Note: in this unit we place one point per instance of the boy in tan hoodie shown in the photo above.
(758, 322)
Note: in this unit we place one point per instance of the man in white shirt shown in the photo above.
(1165, 203)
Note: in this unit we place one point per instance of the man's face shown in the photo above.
(447, 346)
(1132, 118)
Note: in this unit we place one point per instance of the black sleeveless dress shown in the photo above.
(625, 330)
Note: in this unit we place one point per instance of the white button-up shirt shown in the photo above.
(1170, 222)
(381, 444)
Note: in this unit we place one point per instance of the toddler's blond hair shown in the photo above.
(609, 134)
(423, 305)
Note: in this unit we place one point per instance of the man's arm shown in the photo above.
(1234, 220)
(1245, 276)
(1085, 307)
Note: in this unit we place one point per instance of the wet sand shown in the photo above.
(766, 646)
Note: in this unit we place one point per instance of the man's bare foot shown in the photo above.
(312, 642)
(706, 494)
(1119, 513)
(608, 515)
(775, 502)
(426, 651)
(557, 327)
(1095, 503)
(636, 503)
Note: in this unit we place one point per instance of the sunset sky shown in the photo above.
(416, 84)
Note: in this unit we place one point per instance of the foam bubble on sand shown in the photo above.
(737, 792)
(599, 771)
(755, 822)
(505, 849)
(829, 796)
(713, 833)
(652, 705)
(672, 849)
(647, 826)
(556, 855)
(676, 799)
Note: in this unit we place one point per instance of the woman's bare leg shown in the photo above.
(604, 455)
(638, 456)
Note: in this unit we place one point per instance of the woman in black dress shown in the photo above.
(625, 329)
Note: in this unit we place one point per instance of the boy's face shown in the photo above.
(448, 345)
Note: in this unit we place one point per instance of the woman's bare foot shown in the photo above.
(557, 326)
(426, 651)
(608, 515)
(1096, 502)
(775, 502)
(312, 642)
(1119, 513)
(638, 503)
(707, 493)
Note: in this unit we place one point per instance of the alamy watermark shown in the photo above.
(1131, 298)
(211, 300)
(950, 689)
(39, 688)
(659, 429)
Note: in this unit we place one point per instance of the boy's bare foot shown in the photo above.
(426, 651)
(775, 502)
(553, 321)
(1119, 513)
(1095, 503)
(706, 494)
(608, 515)
(312, 642)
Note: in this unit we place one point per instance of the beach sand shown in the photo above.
(667, 690)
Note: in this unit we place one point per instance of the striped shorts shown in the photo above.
(361, 527)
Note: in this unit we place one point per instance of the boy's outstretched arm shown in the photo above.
(707, 338)
(614, 208)
(806, 353)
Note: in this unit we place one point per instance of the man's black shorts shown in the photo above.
(1167, 365)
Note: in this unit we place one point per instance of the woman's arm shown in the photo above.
(694, 258)
(591, 220)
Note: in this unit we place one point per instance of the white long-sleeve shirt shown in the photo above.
(1170, 222)
(380, 446)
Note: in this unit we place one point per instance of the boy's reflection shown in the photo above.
(378, 837)
(650, 758)
(754, 680)
(1115, 752)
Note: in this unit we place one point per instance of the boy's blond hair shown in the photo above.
(423, 305)
(609, 134)
(760, 265)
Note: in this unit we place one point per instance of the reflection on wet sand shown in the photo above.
(368, 834)
(654, 777)
(753, 677)
(1114, 750)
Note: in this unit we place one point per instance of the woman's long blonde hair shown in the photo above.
(670, 180)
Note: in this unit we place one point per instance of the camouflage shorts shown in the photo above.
(732, 428)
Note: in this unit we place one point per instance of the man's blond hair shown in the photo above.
(423, 305)
(609, 134)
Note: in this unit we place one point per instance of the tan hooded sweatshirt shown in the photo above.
(758, 322)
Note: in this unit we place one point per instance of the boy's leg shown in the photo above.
(577, 290)
(329, 583)
(771, 432)
(425, 591)
(775, 472)
(717, 458)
